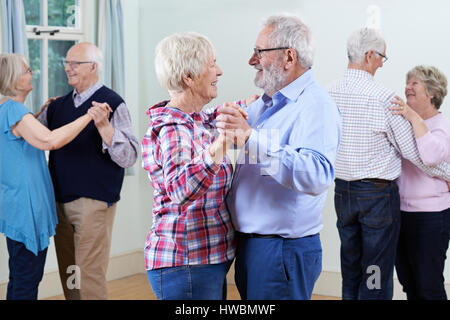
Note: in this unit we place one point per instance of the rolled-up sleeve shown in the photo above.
(125, 145)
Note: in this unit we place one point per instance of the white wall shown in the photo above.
(415, 32)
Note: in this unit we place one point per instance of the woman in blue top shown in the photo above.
(27, 205)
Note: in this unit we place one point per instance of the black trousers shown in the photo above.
(421, 254)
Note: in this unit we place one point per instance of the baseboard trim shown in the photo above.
(330, 284)
(120, 266)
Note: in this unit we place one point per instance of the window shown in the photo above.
(53, 26)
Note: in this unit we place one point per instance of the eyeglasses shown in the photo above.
(258, 51)
(73, 64)
(385, 58)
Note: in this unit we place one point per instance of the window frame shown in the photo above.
(78, 34)
(63, 30)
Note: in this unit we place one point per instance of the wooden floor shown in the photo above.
(137, 288)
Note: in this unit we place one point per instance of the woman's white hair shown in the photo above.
(11, 69)
(435, 82)
(181, 55)
(362, 41)
(290, 31)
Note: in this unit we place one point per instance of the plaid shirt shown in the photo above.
(373, 139)
(191, 224)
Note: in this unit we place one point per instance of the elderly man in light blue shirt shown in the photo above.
(285, 168)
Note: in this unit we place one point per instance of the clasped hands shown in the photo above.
(232, 124)
(100, 112)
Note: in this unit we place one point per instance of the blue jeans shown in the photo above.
(368, 221)
(25, 271)
(197, 282)
(421, 254)
(277, 268)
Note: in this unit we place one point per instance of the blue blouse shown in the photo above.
(27, 201)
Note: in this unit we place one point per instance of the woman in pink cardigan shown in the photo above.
(424, 200)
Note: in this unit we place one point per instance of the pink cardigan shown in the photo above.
(418, 191)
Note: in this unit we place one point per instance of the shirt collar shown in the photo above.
(267, 100)
(87, 93)
(293, 90)
(357, 73)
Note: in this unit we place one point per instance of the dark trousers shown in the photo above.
(421, 254)
(368, 223)
(25, 271)
(277, 268)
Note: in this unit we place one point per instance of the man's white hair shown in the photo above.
(92, 52)
(96, 55)
(181, 55)
(363, 40)
(290, 31)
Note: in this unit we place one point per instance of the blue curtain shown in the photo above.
(14, 34)
(111, 41)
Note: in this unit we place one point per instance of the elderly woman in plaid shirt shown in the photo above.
(191, 245)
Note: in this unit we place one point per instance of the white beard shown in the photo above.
(272, 79)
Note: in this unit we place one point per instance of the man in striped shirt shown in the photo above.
(368, 162)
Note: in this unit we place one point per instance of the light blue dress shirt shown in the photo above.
(27, 201)
(283, 173)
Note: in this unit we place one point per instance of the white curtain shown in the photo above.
(111, 42)
(13, 34)
(13, 27)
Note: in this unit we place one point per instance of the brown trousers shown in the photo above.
(83, 242)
